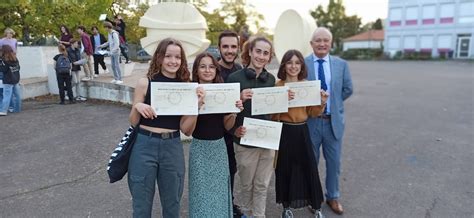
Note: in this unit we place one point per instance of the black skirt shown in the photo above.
(297, 177)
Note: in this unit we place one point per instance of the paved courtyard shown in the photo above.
(408, 150)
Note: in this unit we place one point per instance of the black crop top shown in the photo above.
(209, 127)
(166, 122)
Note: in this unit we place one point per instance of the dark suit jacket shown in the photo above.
(341, 89)
(102, 41)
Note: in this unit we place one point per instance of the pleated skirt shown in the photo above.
(297, 178)
(209, 179)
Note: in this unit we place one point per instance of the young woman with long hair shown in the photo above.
(11, 81)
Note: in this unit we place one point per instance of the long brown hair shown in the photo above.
(250, 44)
(286, 58)
(8, 53)
(157, 60)
(217, 78)
(62, 49)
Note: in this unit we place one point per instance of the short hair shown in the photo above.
(227, 33)
(72, 41)
(81, 27)
(94, 27)
(250, 44)
(108, 25)
(319, 29)
(286, 58)
(9, 30)
(217, 79)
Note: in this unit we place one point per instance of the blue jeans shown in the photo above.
(11, 97)
(156, 160)
(324, 136)
(114, 58)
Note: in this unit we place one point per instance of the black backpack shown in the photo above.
(63, 65)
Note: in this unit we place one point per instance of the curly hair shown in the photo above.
(157, 60)
(217, 78)
(250, 44)
(286, 58)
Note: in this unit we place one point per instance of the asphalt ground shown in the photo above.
(407, 152)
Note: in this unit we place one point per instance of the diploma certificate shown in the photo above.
(220, 98)
(270, 100)
(307, 93)
(174, 98)
(261, 133)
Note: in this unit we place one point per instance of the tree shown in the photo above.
(336, 20)
(215, 22)
(377, 25)
(240, 14)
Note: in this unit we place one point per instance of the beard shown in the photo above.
(228, 62)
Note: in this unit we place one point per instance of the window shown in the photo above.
(429, 12)
(426, 43)
(446, 13)
(466, 12)
(411, 17)
(409, 43)
(395, 16)
(393, 42)
(444, 42)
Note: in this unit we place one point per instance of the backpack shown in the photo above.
(63, 65)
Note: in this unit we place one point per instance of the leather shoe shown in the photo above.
(335, 206)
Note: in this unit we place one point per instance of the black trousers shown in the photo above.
(232, 162)
(64, 84)
(98, 59)
(124, 51)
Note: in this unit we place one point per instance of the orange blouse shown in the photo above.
(297, 114)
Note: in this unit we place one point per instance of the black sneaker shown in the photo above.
(287, 213)
(62, 102)
(237, 212)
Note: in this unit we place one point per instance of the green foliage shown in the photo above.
(241, 14)
(335, 19)
(362, 54)
(377, 25)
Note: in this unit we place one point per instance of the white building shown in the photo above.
(372, 39)
(436, 27)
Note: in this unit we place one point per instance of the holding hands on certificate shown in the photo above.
(246, 94)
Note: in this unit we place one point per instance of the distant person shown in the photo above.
(254, 164)
(327, 129)
(244, 35)
(120, 26)
(9, 40)
(88, 50)
(2, 65)
(11, 81)
(157, 156)
(98, 39)
(209, 188)
(113, 44)
(229, 49)
(74, 54)
(63, 66)
(297, 182)
(66, 36)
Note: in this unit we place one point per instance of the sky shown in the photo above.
(368, 10)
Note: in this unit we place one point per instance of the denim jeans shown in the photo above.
(115, 66)
(11, 97)
(155, 160)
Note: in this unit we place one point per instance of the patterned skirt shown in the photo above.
(209, 179)
(297, 181)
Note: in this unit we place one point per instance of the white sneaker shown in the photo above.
(86, 78)
(113, 81)
(106, 71)
(118, 82)
(96, 75)
(3, 113)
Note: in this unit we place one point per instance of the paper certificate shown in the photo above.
(220, 98)
(270, 100)
(174, 98)
(261, 133)
(307, 93)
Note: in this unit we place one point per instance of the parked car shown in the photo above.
(214, 50)
(143, 56)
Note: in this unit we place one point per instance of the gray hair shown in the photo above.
(321, 29)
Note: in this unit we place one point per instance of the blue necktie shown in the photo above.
(321, 75)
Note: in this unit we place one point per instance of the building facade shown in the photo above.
(372, 39)
(433, 27)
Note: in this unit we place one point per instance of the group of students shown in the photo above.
(216, 153)
(10, 93)
(78, 52)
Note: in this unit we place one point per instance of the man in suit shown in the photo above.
(97, 39)
(327, 130)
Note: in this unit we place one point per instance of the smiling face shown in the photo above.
(260, 55)
(206, 70)
(229, 47)
(293, 67)
(171, 61)
(321, 42)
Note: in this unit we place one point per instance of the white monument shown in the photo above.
(293, 31)
(177, 20)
